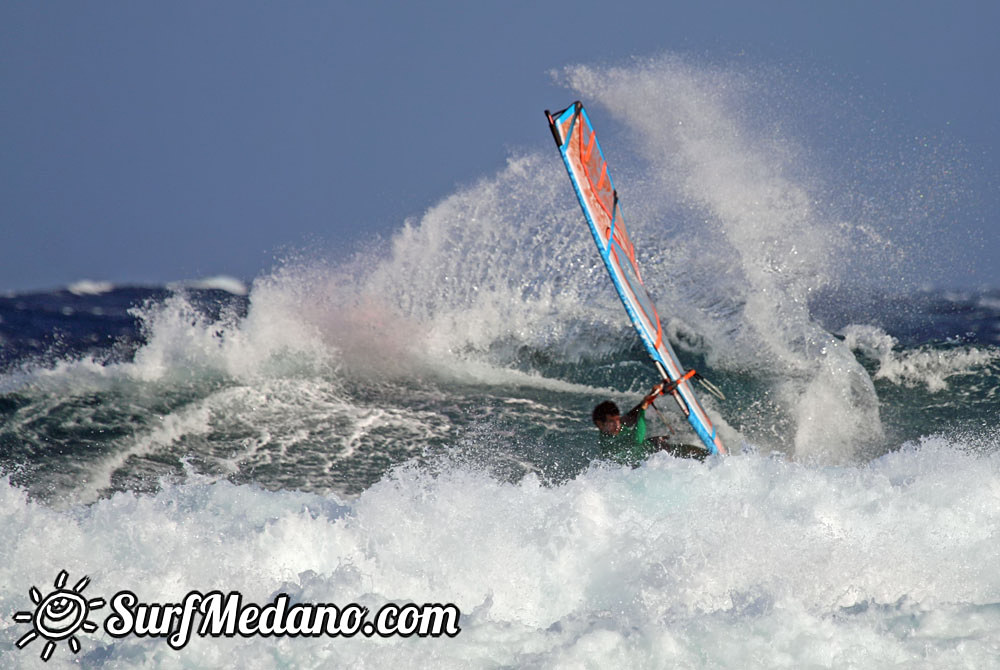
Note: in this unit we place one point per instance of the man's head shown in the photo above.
(607, 418)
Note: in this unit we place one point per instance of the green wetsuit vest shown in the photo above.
(629, 446)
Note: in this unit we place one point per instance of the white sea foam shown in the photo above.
(989, 302)
(90, 287)
(218, 282)
(799, 566)
(926, 366)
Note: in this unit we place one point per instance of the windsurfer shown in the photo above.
(623, 438)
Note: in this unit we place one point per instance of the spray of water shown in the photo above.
(734, 241)
(726, 203)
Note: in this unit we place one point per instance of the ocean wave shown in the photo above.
(805, 565)
(216, 283)
(928, 365)
(89, 287)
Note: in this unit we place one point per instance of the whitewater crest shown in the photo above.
(926, 366)
(90, 287)
(617, 565)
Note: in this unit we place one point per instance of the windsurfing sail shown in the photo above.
(588, 171)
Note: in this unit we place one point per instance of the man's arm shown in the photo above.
(637, 415)
(632, 417)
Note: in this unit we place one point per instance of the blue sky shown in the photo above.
(150, 142)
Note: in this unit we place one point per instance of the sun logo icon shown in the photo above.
(59, 615)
